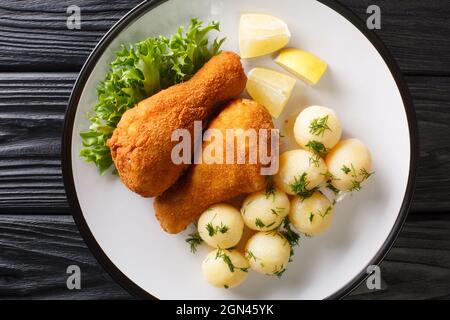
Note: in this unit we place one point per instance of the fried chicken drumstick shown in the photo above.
(141, 144)
(207, 184)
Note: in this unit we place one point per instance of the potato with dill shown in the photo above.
(221, 226)
(349, 165)
(268, 252)
(300, 172)
(265, 210)
(225, 268)
(313, 215)
(317, 129)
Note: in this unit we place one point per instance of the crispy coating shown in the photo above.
(141, 144)
(208, 184)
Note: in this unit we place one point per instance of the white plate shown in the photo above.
(364, 87)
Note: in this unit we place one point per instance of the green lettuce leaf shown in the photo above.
(139, 71)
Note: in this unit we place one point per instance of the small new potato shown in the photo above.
(268, 252)
(299, 171)
(350, 165)
(312, 215)
(265, 210)
(225, 268)
(221, 226)
(318, 124)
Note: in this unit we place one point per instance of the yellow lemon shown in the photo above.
(270, 88)
(304, 65)
(261, 34)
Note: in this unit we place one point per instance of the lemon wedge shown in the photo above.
(303, 64)
(270, 88)
(261, 34)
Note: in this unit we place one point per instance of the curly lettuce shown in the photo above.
(139, 71)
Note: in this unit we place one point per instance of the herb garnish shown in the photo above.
(317, 147)
(345, 169)
(276, 211)
(270, 225)
(318, 126)
(194, 241)
(332, 188)
(259, 223)
(330, 178)
(279, 272)
(315, 160)
(213, 230)
(319, 212)
(270, 191)
(299, 187)
(250, 255)
(327, 211)
(221, 254)
(358, 177)
(291, 236)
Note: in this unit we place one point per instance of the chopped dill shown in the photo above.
(345, 169)
(276, 211)
(259, 223)
(279, 273)
(299, 187)
(221, 254)
(358, 178)
(317, 147)
(318, 126)
(249, 255)
(213, 230)
(270, 225)
(332, 188)
(315, 160)
(194, 241)
(270, 191)
(327, 211)
(291, 236)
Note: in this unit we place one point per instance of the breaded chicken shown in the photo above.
(208, 184)
(141, 144)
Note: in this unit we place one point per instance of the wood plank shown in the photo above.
(36, 251)
(431, 97)
(415, 32)
(32, 110)
(35, 254)
(418, 266)
(34, 35)
(32, 107)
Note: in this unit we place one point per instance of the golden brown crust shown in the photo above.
(208, 184)
(141, 144)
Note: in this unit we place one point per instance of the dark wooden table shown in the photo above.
(39, 62)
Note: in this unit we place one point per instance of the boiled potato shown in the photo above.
(225, 268)
(221, 226)
(317, 125)
(265, 210)
(268, 252)
(299, 172)
(349, 165)
(312, 215)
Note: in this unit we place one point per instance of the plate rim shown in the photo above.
(66, 147)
